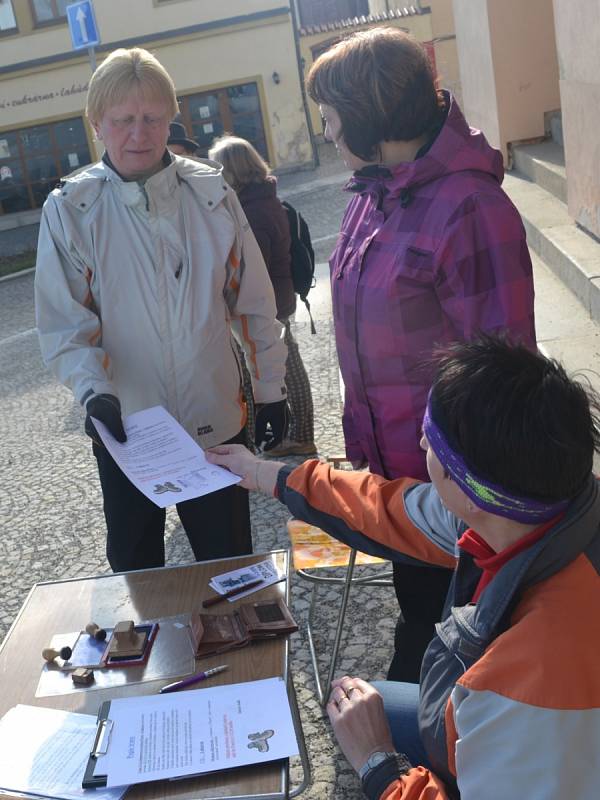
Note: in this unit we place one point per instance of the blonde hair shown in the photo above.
(124, 71)
(241, 162)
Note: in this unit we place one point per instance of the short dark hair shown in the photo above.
(381, 84)
(516, 417)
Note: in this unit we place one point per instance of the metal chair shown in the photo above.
(312, 548)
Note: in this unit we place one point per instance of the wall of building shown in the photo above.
(508, 84)
(578, 42)
(123, 19)
(476, 65)
(418, 25)
(444, 42)
(220, 54)
(252, 53)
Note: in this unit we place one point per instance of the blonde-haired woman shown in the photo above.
(130, 253)
(247, 172)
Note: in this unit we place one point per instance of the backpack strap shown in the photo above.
(312, 324)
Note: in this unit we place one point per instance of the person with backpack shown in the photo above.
(431, 251)
(250, 176)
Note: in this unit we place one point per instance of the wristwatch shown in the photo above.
(380, 771)
(374, 760)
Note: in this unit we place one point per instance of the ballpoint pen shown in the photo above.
(200, 676)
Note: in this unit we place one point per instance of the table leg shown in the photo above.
(304, 759)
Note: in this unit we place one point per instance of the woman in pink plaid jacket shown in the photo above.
(431, 250)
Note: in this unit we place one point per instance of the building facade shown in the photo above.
(431, 24)
(528, 65)
(234, 65)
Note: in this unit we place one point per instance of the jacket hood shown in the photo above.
(82, 188)
(259, 191)
(457, 148)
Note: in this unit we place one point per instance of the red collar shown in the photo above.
(489, 560)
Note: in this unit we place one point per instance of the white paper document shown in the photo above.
(162, 460)
(44, 752)
(265, 571)
(193, 732)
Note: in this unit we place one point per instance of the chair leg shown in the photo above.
(340, 625)
(311, 644)
(323, 691)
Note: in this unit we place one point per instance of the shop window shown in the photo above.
(8, 22)
(47, 12)
(235, 109)
(32, 160)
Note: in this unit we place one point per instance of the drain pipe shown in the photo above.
(311, 133)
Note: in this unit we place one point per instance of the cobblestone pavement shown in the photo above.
(50, 503)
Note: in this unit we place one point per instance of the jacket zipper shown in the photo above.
(340, 272)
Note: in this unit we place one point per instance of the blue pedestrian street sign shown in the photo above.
(82, 25)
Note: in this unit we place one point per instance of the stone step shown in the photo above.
(553, 126)
(544, 164)
(571, 254)
(564, 331)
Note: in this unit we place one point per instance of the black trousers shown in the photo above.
(217, 525)
(421, 592)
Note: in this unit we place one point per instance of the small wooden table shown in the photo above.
(68, 605)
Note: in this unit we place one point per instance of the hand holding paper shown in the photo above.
(107, 409)
(162, 460)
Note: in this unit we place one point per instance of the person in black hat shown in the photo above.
(178, 141)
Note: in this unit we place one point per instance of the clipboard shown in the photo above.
(263, 729)
(99, 748)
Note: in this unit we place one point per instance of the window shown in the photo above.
(317, 12)
(32, 160)
(235, 110)
(8, 23)
(48, 12)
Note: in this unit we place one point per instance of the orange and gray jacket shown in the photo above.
(138, 289)
(510, 687)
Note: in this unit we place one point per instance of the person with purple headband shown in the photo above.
(486, 495)
(509, 700)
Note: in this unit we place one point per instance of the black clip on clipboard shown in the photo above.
(99, 748)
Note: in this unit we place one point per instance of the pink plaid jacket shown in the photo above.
(430, 252)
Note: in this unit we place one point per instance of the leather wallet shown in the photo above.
(217, 633)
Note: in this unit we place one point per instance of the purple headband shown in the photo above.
(487, 496)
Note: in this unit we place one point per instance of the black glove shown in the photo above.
(107, 409)
(277, 416)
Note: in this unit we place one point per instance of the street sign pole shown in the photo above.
(84, 31)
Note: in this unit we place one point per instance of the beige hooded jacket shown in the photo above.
(138, 289)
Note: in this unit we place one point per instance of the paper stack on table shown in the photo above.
(44, 752)
(265, 571)
(187, 733)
